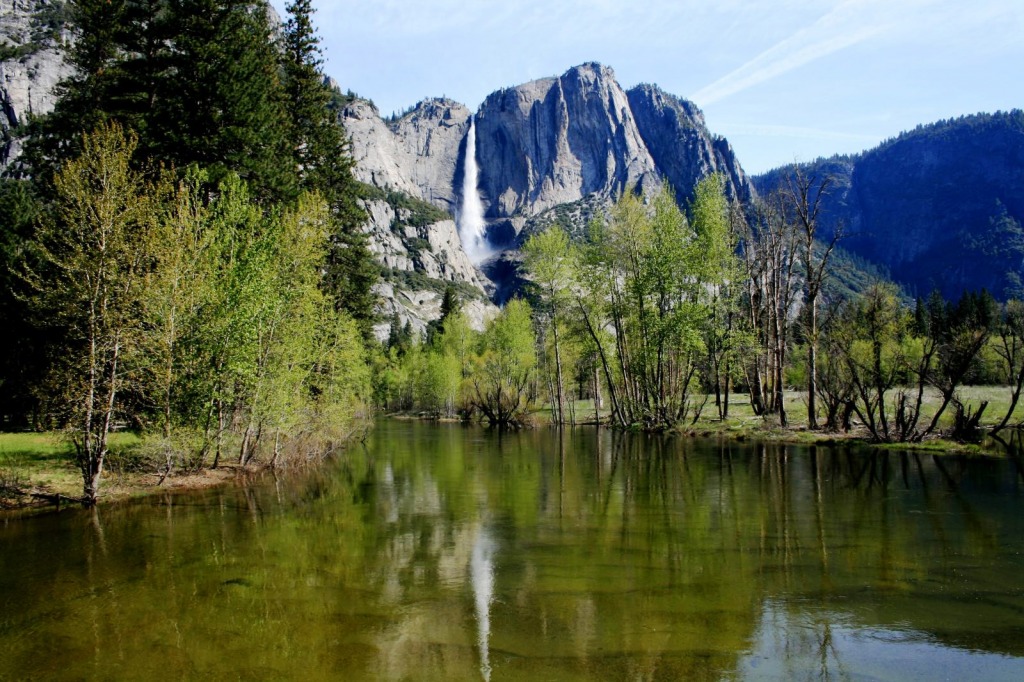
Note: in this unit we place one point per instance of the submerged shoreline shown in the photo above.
(42, 495)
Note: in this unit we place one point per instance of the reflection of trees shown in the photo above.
(614, 556)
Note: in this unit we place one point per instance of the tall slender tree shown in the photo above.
(94, 251)
(550, 263)
(805, 194)
(228, 111)
(324, 165)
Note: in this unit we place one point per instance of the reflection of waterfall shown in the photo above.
(481, 573)
(472, 229)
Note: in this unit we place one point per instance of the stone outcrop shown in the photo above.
(433, 250)
(418, 261)
(31, 64)
(543, 148)
(417, 153)
(683, 149)
(543, 144)
(556, 140)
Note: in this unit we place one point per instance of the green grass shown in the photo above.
(742, 423)
(45, 461)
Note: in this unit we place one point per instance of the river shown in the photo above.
(459, 553)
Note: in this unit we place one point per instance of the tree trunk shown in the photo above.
(558, 371)
(812, 366)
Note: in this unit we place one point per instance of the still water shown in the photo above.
(447, 552)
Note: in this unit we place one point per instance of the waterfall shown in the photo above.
(472, 229)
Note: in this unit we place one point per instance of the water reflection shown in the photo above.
(824, 645)
(481, 571)
(447, 552)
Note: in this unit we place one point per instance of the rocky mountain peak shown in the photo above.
(681, 145)
(556, 140)
(416, 153)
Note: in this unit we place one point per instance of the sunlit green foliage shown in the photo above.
(205, 324)
(504, 370)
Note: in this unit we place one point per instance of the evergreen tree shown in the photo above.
(450, 305)
(325, 166)
(82, 97)
(197, 80)
(226, 111)
(22, 345)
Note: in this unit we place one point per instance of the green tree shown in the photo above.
(876, 356)
(504, 370)
(94, 253)
(549, 260)
(646, 287)
(324, 165)
(228, 109)
(173, 295)
(719, 271)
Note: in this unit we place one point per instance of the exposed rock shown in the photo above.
(556, 140)
(576, 141)
(434, 250)
(31, 43)
(419, 307)
(417, 255)
(683, 149)
(417, 153)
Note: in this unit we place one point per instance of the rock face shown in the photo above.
(31, 64)
(421, 253)
(683, 149)
(543, 144)
(433, 249)
(417, 154)
(556, 140)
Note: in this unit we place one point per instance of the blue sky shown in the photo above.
(783, 80)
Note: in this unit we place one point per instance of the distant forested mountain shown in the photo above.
(941, 206)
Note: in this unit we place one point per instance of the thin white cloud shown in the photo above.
(796, 132)
(849, 23)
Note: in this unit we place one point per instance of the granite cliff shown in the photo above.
(32, 35)
(557, 148)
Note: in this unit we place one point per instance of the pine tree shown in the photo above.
(82, 97)
(324, 165)
(197, 80)
(227, 109)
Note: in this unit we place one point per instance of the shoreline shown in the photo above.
(756, 429)
(33, 500)
(40, 498)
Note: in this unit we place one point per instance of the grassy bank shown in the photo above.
(39, 468)
(35, 468)
(743, 424)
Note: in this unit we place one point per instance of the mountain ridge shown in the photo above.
(940, 206)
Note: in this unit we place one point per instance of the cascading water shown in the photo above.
(472, 228)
